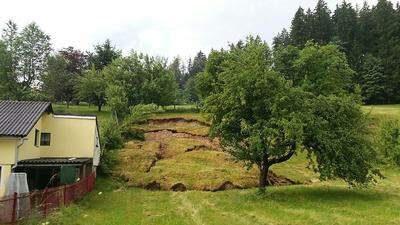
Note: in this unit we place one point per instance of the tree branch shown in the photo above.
(285, 157)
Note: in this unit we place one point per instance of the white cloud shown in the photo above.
(167, 28)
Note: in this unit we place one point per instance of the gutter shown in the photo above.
(21, 142)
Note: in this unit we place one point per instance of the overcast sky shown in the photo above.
(164, 28)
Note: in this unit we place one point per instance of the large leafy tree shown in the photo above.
(33, 48)
(263, 120)
(91, 87)
(29, 50)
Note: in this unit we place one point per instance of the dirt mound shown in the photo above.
(178, 187)
(153, 186)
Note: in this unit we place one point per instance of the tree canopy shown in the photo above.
(262, 119)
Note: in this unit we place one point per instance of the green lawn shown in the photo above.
(83, 110)
(383, 111)
(317, 203)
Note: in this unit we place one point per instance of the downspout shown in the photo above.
(21, 142)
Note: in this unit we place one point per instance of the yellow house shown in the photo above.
(51, 149)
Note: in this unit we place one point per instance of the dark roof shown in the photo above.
(17, 118)
(46, 161)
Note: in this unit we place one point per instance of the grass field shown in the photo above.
(315, 203)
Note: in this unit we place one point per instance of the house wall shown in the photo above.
(71, 136)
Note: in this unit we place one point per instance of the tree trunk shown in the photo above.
(264, 175)
(99, 107)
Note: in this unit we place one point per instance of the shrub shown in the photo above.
(111, 139)
(107, 162)
(388, 141)
(111, 135)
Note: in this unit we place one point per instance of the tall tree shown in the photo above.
(345, 27)
(299, 30)
(8, 81)
(198, 65)
(103, 55)
(57, 81)
(322, 28)
(282, 39)
(372, 80)
(33, 48)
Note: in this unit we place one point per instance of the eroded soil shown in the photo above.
(178, 155)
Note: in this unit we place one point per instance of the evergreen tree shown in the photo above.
(372, 80)
(282, 39)
(322, 28)
(298, 30)
(345, 27)
(103, 55)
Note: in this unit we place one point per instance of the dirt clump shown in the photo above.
(178, 187)
(153, 186)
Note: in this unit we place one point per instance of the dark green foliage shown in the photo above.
(299, 30)
(372, 80)
(104, 55)
(282, 39)
(324, 70)
(111, 135)
(8, 82)
(58, 83)
(284, 59)
(388, 141)
(371, 31)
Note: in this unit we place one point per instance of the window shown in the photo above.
(45, 139)
(37, 137)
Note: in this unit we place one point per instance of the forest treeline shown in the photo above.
(369, 35)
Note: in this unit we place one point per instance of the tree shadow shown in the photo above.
(320, 194)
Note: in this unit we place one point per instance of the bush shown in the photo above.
(111, 135)
(107, 162)
(388, 141)
(111, 139)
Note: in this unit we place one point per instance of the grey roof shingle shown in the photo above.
(17, 118)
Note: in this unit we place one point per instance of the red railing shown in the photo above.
(40, 203)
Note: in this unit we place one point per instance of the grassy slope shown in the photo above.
(319, 203)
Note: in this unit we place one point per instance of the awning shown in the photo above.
(54, 161)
